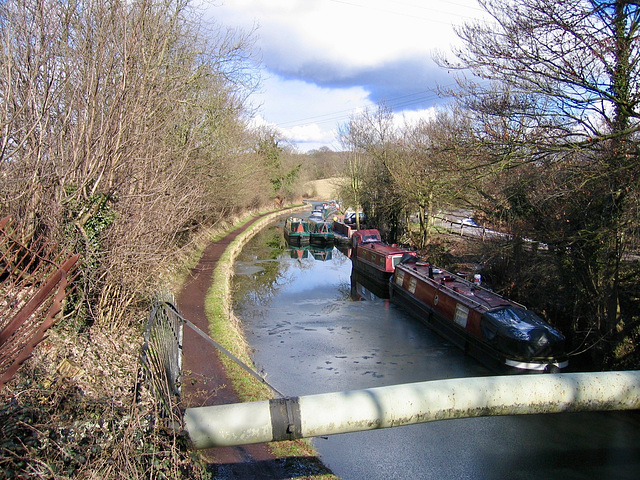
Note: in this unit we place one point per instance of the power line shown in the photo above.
(440, 2)
(402, 101)
(407, 15)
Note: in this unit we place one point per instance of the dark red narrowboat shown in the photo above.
(500, 333)
(374, 259)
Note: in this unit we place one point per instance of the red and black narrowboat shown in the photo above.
(498, 332)
(374, 259)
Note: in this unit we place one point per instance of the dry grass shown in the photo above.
(74, 412)
(324, 189)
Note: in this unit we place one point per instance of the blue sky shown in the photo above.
(325, 60)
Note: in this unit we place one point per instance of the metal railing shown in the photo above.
(162, 356)
(34, 282)
(396, 405)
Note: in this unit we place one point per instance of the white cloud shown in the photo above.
(310, 134)
(351, 33)
(307, 114)
(293, 102)
(412, 117)
(326, 58)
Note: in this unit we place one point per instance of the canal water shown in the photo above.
(309, 336)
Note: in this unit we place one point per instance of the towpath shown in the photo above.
(205, 381)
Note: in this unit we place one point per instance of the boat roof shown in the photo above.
(479, 297)
(369, 235)
(386, 249)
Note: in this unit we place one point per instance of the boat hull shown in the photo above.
(296, 239)
(442, 326)
(465, 327)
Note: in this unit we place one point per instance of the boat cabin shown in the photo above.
(370, 250)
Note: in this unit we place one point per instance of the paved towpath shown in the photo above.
(205, 381)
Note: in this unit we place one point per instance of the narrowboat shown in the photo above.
(374, 259)
(320, 231)
(498, 332)
(296, 230)
(343, 233)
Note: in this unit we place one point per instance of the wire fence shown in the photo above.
(162, 352)
(162, 356)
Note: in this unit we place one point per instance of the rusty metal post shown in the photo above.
(383, 407)
(34, 281)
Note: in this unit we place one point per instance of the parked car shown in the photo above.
(350, 217)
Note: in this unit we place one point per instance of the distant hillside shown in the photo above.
(325, 189)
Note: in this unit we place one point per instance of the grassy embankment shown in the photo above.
(325, 189)
(225, 328)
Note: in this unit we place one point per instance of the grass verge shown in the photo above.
(224, 327)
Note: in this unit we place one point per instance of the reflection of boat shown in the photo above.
(345, 250)
(296, 230)
(298, 251)
(321, 253)
(496, 331)
(363, 288)
(374, 259)
(320, 231)
(318, 252)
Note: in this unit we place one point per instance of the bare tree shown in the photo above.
(374, 141)
(561, 78)
(120, 128)
(355, 168)
(428, 170)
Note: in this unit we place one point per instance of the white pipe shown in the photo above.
(383, 407)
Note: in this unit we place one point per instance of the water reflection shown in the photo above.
(269, 264)
(362, 288)
(261, 272)
(299, 252)
(311, 337)
(317, 252)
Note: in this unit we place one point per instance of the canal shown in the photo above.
(309, 336)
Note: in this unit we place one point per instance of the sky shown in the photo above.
(323, 61)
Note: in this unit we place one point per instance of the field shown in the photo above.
(325, 189)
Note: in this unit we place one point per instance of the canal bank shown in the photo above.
(210, 379)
